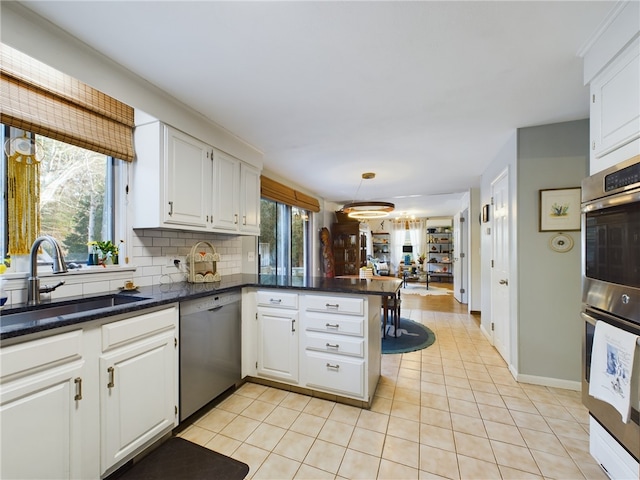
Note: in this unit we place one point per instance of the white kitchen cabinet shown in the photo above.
(139, 384)
(182, 183)
(41, 408)
(615, 103)
(278, 349)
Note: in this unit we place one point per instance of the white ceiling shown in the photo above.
(422, 93)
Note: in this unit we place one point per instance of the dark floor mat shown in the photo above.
(179, 459)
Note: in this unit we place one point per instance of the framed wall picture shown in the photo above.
(559, 210)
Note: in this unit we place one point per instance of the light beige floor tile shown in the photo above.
(367, 441)
(308, 424)
(457, 382)
(294, 445)
(223, 445)
(433, 388)
(480, 386)
(240, 428)
(235, 403)
(336, 432)
(543, 441)
(307, 472)
(495, 414)
(373, 421)
(385, 391)
(432, 416)
(408, 383)
(530, 420)
(345, 414)
(511, 391)
(437, 437)
(458, 393)
(435, 378)
(455, 371)
(266, 436)
(476, 468)
(325, 456)
(252, 456)
(509, 473)
(401, 451)
(407, 395)
(464, 407)
(319, 407)
(504, 433)
(215, 420)
(273, 395)
(295, 401)
(439, 462)
(472, 446)
(251, 390)
(394, 471)
(258, 410)
(197, 435)
(358, 465)
(282, 417)
(277, 467)
(562, 428)
(520, 404)
(554, 466)
(514, 456)
(470, 425)
(492, 399)
(441, 402)
(405, 410)
(381, 405)
(403, 428)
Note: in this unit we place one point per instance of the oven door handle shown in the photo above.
(589, 318)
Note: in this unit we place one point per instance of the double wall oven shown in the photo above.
(611, 292)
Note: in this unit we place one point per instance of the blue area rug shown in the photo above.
(412, 336)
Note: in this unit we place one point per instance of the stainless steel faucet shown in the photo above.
(59, 266)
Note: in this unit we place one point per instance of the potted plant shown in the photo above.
(107, 250)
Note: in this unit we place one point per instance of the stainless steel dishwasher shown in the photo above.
(210, 356)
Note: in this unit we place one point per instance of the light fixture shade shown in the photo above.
(368, 209)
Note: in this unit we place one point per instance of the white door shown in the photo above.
(278, 344)
(250, 199)
(460, 257)
(226, 195)
(500, 323)
(138, 392)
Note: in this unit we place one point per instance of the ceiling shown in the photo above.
(422, 93)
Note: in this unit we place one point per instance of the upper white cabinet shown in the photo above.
(180, 182)
(615, 103)
(612, 71)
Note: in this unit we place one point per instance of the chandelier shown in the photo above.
(364, 210)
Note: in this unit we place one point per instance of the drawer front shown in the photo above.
(336, 324)
(274, 298)
(330, 304)
(23, 358)
(121, 332)
(338, 374)
(340, 345)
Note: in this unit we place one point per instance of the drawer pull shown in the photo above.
(293, 325)
(332, 325)
(275, 301)
(334, 306)
(112, 378)
(78, 382)
(335, 367)
(333, 346)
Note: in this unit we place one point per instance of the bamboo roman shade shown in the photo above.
(37, 98)
(281, 193)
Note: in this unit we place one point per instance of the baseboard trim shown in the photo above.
(549, 382)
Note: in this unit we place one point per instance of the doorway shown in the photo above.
(500, 294)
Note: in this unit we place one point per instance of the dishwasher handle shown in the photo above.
(215, 309)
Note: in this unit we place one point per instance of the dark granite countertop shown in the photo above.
(162, 294)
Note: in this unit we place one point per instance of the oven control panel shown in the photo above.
(622, 178)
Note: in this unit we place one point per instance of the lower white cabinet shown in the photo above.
(79, 404)
(138, 380)
(41, 408)
(339, 374)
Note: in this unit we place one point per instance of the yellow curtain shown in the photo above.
(23, 201)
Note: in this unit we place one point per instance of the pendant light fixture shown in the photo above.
(364, 210)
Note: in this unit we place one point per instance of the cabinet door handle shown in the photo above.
(275, 301)
(504, 282)
(293, 325)
(332, 325)
(334, 306)
(335, 367)
(235, 218)
(78, 382)
(171, 209)
(332, 346)
(244, 219)
(112, 377)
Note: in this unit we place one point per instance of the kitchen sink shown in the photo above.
(41, 312)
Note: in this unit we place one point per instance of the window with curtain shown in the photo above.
(407, 232)
(61, 137)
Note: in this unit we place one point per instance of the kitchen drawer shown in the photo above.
(274, 298)
(121, 332)
(338, 374)
(334, 344)
(336, 324)
(331, 304)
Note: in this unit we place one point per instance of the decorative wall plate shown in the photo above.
(561, 242)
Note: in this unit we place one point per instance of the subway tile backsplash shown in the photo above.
(150, 254)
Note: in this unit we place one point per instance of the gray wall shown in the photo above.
(549, 327)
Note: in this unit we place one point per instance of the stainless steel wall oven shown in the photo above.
(611, 282)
